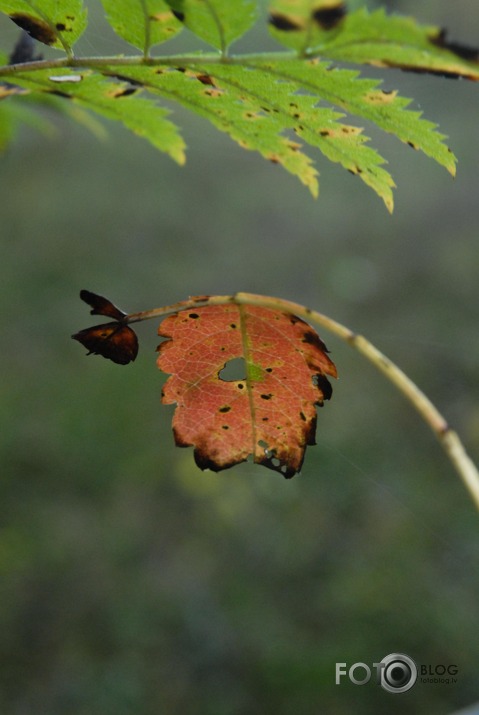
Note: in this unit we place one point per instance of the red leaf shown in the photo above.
(269, 414)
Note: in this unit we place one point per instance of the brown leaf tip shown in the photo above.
(36, 28)
(101, 305)
(115, 341)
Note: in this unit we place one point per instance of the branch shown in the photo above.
(447, 437)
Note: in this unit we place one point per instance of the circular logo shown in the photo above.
(399, 673)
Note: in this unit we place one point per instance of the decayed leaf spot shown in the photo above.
(179, 15)
(329, 17)
(36, 28)
(227, 420)
(286, 23)
(205, 79)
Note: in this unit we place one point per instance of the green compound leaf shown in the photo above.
(115, 100)
(142, 23)
(58, 24)
(276, 104)
(217, 22)
(259, 104)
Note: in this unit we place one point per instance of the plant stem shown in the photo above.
(100, 63)
(447, 437)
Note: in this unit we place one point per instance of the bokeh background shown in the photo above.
(131, 582)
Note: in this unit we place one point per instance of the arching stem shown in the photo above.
(447, 437)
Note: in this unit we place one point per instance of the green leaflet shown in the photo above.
(217, 22)
(114, 100)
(278, 98)
(394, 41)
(374, 38)
(361, 97)
(58, 24)
(235, 112)
(142, 23)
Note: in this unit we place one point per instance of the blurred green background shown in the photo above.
(131, 582)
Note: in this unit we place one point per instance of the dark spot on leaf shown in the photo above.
(61, 27)
(226, 408)
(57, 93)
(313, 338)
(193, 315)
(265, 419)
(329, 17)
(267, 397)
(133, 82)
(126, 92)
(240, 386)
(413, 146)
(233, 325)
(224, 427)
(36, 28)
(269, 369)
(283, 22)
(205, 79)
(302, 416)
(324, 133)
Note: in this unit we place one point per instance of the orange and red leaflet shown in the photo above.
(270, 414)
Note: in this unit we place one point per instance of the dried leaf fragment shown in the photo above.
(115, 341)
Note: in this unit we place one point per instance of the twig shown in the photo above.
(447, 437)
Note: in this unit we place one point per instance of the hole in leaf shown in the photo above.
(233, 370)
